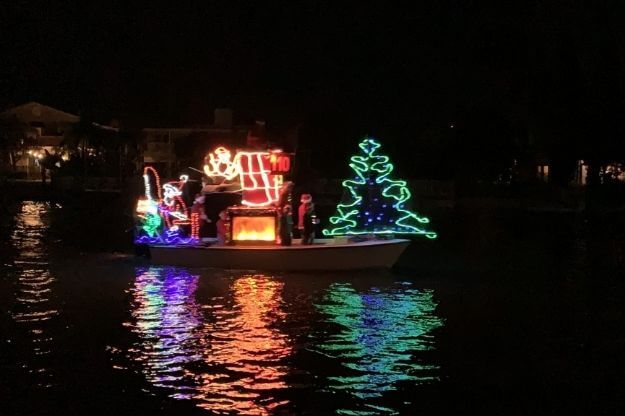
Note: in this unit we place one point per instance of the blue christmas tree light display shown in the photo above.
(375, 203)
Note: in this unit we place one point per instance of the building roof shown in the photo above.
(36, 112)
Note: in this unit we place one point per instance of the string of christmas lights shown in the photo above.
(165, 208)
(375, 204)
(259, 186)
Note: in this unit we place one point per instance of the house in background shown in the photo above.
(608, 172)
(44, 127)
(171, 149)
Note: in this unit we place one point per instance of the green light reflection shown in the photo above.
(377, 341)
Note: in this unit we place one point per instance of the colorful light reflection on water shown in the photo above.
(33, 311)
(231, 343)
(245, 352)
(224, 354)
(375, 337)
(167, 319)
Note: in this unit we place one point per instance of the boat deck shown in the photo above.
(320, 243)
(325, 254)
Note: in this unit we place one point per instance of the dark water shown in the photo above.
(504, 314)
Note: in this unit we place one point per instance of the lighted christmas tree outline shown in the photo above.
(346, 218)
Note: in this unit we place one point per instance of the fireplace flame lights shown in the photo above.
(253, 228)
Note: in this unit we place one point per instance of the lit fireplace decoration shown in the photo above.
(256, 225)
(164, 217)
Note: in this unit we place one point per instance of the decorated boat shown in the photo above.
(256, 234)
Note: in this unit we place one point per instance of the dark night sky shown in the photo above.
(371, 67)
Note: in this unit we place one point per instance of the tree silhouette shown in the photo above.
(375, 203)
(15, 137)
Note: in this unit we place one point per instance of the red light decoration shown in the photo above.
(148, 188)
(195, 225)
(260, 173)
(256, 182)
(280, 163)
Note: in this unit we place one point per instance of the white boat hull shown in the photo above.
(323, 255)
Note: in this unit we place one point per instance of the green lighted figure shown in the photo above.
(151, 224)
(375, 203)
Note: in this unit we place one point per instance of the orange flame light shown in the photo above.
(253, 228)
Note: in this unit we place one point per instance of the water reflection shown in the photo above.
(33, 310)
(226, 344)
(166, 319)
(246, 351)
(376, 338)
(224, 353)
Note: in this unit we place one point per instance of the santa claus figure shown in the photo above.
(284, 207)
(306, 219)
(173, 207)
(198, 217)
